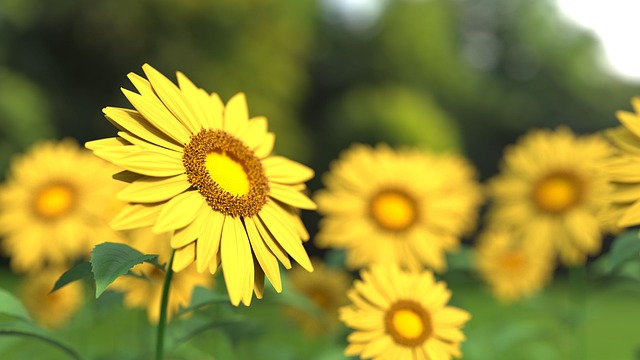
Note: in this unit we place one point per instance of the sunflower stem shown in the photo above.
(162, 323)
(578, 283)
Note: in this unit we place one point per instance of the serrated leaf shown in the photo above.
(10, 305)
(31, 330)
(111, 260)
(624, 248)
(78, 271)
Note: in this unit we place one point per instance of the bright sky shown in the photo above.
(615, 23)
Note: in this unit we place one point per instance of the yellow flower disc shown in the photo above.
(228, 173)
(54, 200)
(512, 261)
(393, 210)
(408, 323)
(557, 193)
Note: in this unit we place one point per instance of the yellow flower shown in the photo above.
(203, 171)
(402, 316)
(50, 310)
(512, 268)
(54, 205)
(623, 168)
(399, 207)
(326, 287)
(553, 188)
(147, 293)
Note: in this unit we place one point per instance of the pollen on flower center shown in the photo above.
(408, 323)
(226, 172)
(54, 200)
(512, 261)
(393, 210)
(557, 192)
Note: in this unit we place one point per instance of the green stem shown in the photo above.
(578, 282)
(162, 323)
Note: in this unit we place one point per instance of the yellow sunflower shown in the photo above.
(401, 207)
(54, 205)
(203, 171)
(623, 168)
(513, 269)
(402, 316)
(553, 187)
(147, 293)
(51, 310)
(326, 287)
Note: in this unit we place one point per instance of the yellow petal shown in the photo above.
(184, 257)
(113, 154)
(208, 243)
(191, 232)
(105, 143)
(282, 170)
(157, 114)
(290, 196)
(265, 257)
(216, 110)
(237, 262)
(136, 124)
(266, 146)
(179, 212)
(154, 189)
(254, 131)
(631, 216)
(258, 286)
(136, 216)
(151, 163)
(284, 234)
(192, 96)
(272, 244)
(236, 114)
(630, 121)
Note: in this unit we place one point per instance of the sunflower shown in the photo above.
(203, 171)
(623, 168)
(512, 268)
(401, 207)
(402, 316)
(145, 291)
(553, 188)
(51, 310)
(50, 212)
(326, 287)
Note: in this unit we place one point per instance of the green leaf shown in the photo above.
(624, 248)
(10, 305)
(111, 260)
(31, 330)
(202, 297)
(78, 271)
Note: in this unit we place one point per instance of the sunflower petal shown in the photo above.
(291, 197)
(134, 123)
(237, 262)
(179, 212)
(151, 163)
(184, 257)
(282, 170)
(153, 189)
(209, 242)
(136, 216)
(236, 114)
(265, 257)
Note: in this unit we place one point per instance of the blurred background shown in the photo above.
(469, 76)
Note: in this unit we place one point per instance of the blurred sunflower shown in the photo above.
(147, 293)
(513, 269)
(51, 310)
(326, 287)
(623, 168)
(400, 207)
(553, 188)
(402, 316)
(51, 213)
(203, 171)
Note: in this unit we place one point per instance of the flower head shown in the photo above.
(204, 171)
(402, 316)
(402, 207)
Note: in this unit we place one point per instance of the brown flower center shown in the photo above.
(393, 210)
(408, 323)
(226, 172)
(557, 192)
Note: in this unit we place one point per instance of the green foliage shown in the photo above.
(33, 331)
(79, 271)
(11, 306)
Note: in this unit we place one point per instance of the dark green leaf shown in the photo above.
(202, 297)
(31, 330)
(78, 271)
(10, 305)
(624, 248)
(111, 260)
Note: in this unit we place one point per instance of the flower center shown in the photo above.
(512, 261)
(54, 200)
(393, 210)
(408, 323)
(557, 192)
(226, 173)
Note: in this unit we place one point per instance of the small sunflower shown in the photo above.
(553, 188)
(512, 268)
(623, 168)
(54, 205)
(147, 293)
(402, 316)
(402, 207)
(51, 310)
(203, 171)
(326, 287)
